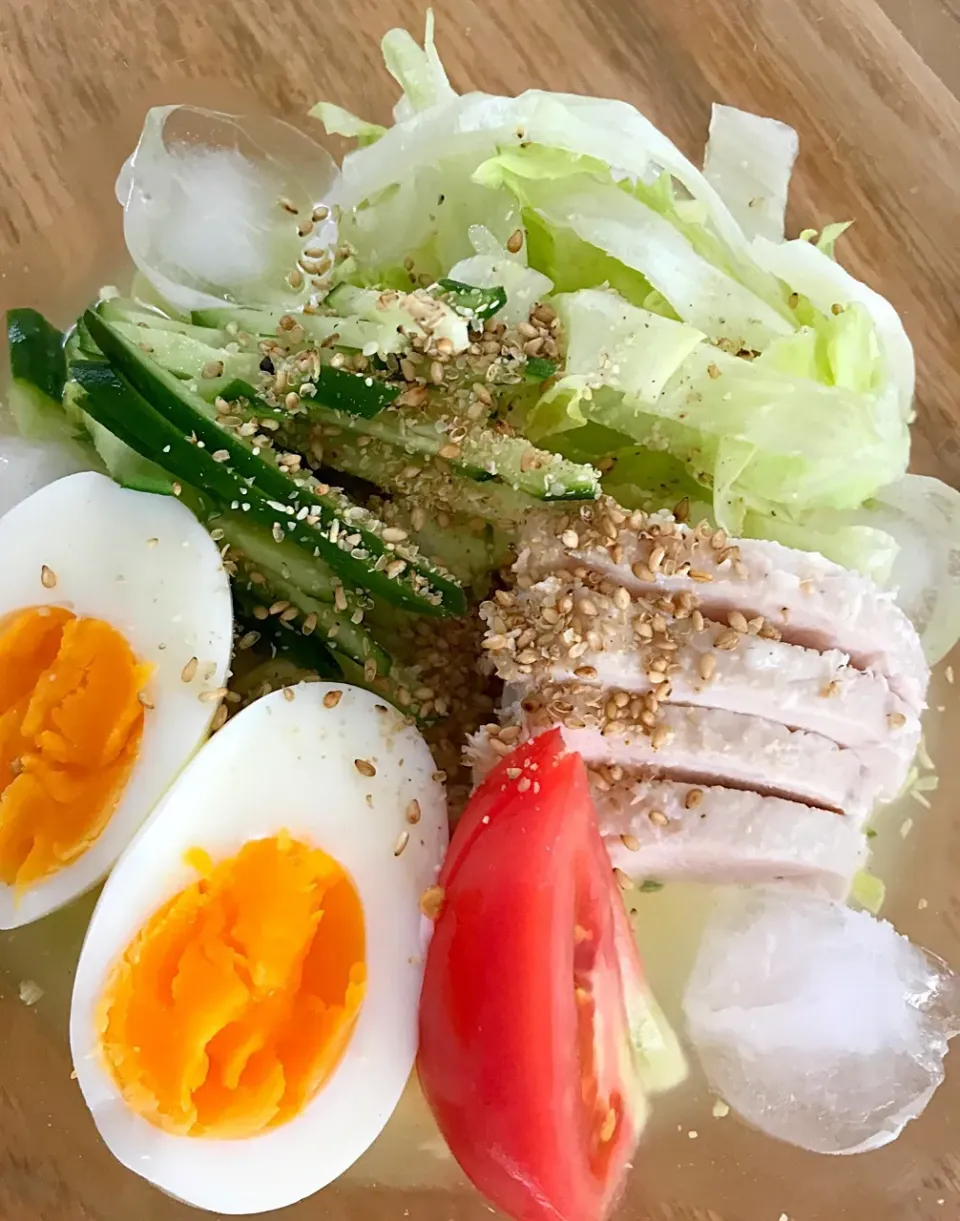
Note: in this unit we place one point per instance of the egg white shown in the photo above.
(283, 764)
(143, 564)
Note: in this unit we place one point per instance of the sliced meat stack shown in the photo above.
(742, 707)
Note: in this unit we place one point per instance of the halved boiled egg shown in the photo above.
(115, 637)
(244, 1015)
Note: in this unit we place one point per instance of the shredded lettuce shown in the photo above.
(749, 161)
(340, 122)
(705, 356)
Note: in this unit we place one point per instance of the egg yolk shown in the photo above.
(236, 1000)
(70, 727)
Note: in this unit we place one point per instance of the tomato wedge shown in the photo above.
(532, 977)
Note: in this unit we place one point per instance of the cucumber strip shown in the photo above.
(358, 334)
(433, 488)
(113, 402)
(186, 356)
(38, 371)
(511, 459)
(340, 389)
(331, 626)
(478, 303)
(263, 555)
(126, 310)
(307, 652)
(419, 585)
(538, 369)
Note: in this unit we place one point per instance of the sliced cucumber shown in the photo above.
(38, 371)
(400, 312)
(511, 459)
(126, 310)
(355, 333)
(418, 585)
(261, 553)
(431, 487)
(308, 653)
(187, 356)
(476, 303)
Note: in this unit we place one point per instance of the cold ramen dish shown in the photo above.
(419, 557)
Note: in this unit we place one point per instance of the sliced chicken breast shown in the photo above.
(706, 746)
(805, 598)
(567, 630)
(673, 831)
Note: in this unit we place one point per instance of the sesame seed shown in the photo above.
(394, 569)
(661, 736)
(289, 694)
(277, 608)
(248, 640)
(288, 205)
(332, 698)
(219, 718)
(212, 696)
(364, 767)
(309, 625)
(896, 720)
(277, 531)
(693, 799)
(369, 670)
(321, 212)
(48, 578)
(623, 879)
(738, 621)
(402, 840)
(213, 368)
(289, 614)
(260, 612)
(394, 534)
(292, 401)
(621, 598)
(515, 241)
(702, 577)
(570, 539)
(727, 640)
(630, 842)
(413, 812)
(450, 452)
(436, 373)
(189, 671)
(713, 371)
(483, 394)
(658, 818)
(431, 902)
(144, 699)
(642, 572)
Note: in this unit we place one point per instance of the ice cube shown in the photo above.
(819, 1025)
(28, 466)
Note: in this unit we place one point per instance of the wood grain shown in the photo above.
(873, 91)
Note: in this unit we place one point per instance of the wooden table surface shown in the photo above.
(873, 89)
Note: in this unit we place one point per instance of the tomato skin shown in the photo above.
(525, 1051)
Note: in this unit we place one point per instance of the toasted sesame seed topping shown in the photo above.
(212, 696)
(896, 720)
(624, 880)
(515, 241)
(332, 698)
(413, 812)
(658, 818)
(219, 718)
(213, 368)
(364, 767)
(630, 842)
(189, 671)
(402, 840)
(145, 699)
(288, 205)
(727, 640)
(693, 798)
(289, 694)
(48, 578)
